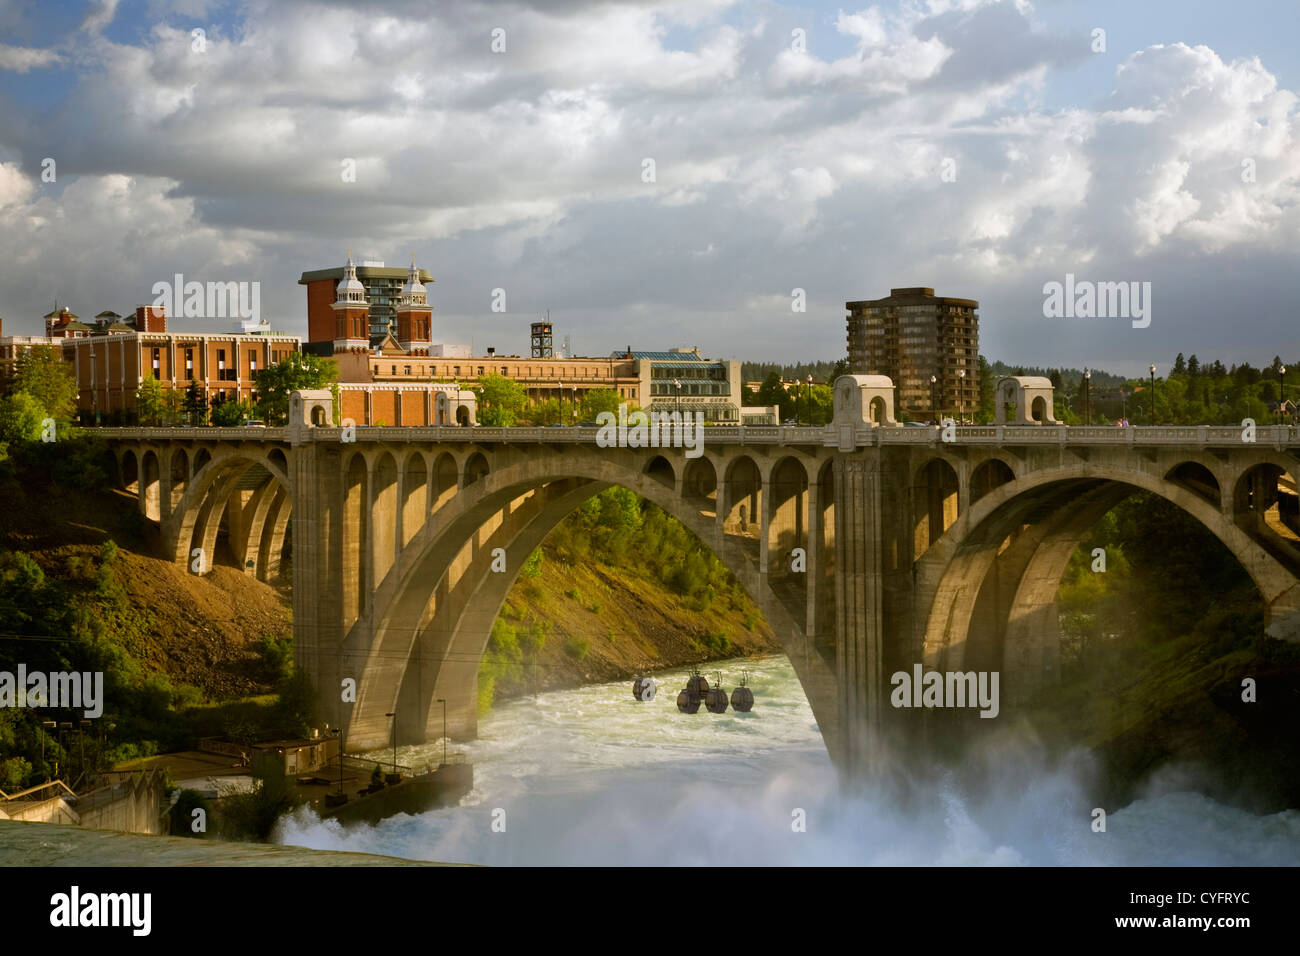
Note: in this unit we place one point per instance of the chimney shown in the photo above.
(151, 318)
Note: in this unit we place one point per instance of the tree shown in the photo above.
(598, 400)
(292, 373)
(230, 413)
(500, 400)
(823, 404)
(149, 402)
(21, 417)
(43, 375)
(1180, 365)
(772, 392)
(987, 387)
(1193, 366)
(195, 406)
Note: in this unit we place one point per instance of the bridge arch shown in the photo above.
(991, 473)
(476, 467)
(661, 470)
(443, 580)
(1197, 478)
(700, 485)
(742, 496)
(244, 491)
(934, 502)
(1059, 507)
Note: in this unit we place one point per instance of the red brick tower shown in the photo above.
(414, 315)
(351, 313)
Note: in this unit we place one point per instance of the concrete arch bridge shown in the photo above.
(914, 549)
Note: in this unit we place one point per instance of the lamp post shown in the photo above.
(575, 405)
(677, 404)
(1152, 369)
(1087, 396)
(559, 412)
(1281, 394)
(807, 398)
(1123, 407)
(961, 391)
(444, 730)
(934, 412)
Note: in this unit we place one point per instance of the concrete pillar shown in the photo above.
(317, 531)
(858, 608)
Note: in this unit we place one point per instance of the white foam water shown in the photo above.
(593, 776)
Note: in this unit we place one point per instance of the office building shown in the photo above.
(928, 345)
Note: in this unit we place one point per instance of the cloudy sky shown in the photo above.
(984, 148)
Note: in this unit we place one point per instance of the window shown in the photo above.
(406, 370)
(252, 360)
(394, 372)
(480, 369)
(155, 363)
(504, 370)
(456, 370)
(189, 363)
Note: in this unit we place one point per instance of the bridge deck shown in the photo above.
(1105, 435)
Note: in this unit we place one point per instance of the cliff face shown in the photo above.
(594, 622)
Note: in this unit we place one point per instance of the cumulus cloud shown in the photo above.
(774, 168)
(20, 59)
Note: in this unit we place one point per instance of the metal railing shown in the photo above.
(36, 794)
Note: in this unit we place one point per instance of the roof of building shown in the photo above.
(363, 273)
(662, 356)
(1028, 381)
(108, 314)
(913, 295)
(59, 312)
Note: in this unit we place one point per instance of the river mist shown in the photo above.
(592, 776)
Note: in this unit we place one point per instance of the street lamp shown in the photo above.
(444, 730)
(961, 390)
(1281, 398)
(575, 404)
(807, 398)
(934, 412)
(1152, 369)
(559, 412)
(677, 404)
(1123, 407)
(1087, 396)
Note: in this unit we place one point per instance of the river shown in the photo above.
(592, 776)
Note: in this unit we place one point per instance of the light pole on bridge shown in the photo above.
(1087, 396)
(1152, 369)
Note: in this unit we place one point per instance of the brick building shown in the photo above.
(111, 360)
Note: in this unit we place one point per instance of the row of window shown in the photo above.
(223, 374)
(523, 372)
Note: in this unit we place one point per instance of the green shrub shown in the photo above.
(577, 648)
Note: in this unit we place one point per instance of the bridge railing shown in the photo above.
(242, 433)
(1216, 435)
